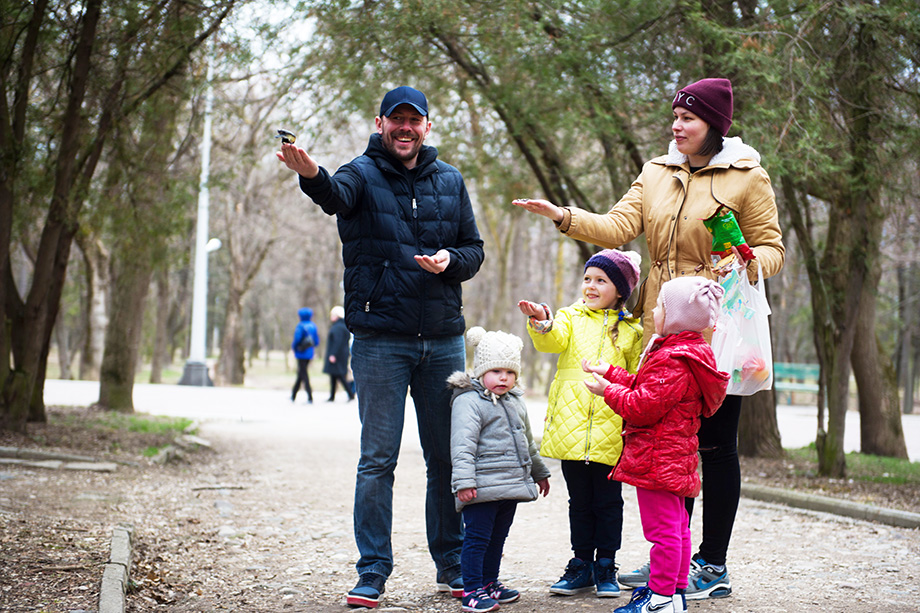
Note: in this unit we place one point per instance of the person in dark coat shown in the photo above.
(306, 338)
(409, 241)
(337, 353)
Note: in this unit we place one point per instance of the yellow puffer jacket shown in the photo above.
(668, 204)
(579, 425)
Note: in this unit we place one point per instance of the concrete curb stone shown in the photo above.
(845, 508)
(117, 572)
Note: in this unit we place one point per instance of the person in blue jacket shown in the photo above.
(409, 239)
(306, 338)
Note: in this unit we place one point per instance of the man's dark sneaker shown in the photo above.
(367, 592)
(578, 576)
(451, 581)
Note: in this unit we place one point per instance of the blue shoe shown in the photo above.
(578, 577)
(641, 602)
(707, 582)
(605, 578)
(478, 601)
(451, 581)
(367, 593)
(502, 594)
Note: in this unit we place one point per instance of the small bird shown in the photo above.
(286, 137)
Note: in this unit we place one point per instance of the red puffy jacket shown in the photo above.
(661, 407)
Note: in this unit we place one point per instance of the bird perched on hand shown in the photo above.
(286, 137)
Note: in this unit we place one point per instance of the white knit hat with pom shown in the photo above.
(494, 350)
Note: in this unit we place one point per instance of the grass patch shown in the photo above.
(131, 422)
(866, 467)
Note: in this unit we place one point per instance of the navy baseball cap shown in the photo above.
(404, 95)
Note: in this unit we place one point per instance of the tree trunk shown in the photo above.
(122, 337)
(880, 428)
(232, 364)
(161, 337)
(63, 347)
(96, 260)
(758, 431)
(906, 309)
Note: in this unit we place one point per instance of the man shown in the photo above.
(409, 239)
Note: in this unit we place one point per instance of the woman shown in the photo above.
(702, 172)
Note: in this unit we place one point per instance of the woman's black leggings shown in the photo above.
(718, 438)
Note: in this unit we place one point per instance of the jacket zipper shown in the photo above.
(591, 404)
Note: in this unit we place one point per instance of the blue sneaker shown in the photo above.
(502, 594)
(641, 602)
(605, 578)
(707, 582)
(478, 601)
(367, 593)
(578, 577)
(451, 581)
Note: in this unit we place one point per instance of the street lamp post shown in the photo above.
(196, 369)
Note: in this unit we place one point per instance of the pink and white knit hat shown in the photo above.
(690, 303)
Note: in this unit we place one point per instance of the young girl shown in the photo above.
(661, 406)
(578, 428)
(495, 463)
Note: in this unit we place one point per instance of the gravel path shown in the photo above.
(284, 541)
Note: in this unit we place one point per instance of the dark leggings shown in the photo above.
(595, 510)
(718, 438)
(302, 377)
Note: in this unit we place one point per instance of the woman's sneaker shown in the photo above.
(502, 594)
(478, 600)
(578, 576)
(605, 578)
(636, 578)
(707, 582)
(367, 592)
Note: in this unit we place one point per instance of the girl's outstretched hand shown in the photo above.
(596, 384)
(531, 309)
(543, 486)
(600, 368)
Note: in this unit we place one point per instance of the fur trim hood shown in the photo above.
(733, 150)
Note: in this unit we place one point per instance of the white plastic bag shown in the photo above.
(741, 339)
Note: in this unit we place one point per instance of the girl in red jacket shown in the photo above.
(661, 405)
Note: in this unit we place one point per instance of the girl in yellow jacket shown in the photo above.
(579, 430)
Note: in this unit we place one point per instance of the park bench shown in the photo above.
(790, 378)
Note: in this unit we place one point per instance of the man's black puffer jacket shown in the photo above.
(387, 215)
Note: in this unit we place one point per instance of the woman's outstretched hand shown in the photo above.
(540, 207)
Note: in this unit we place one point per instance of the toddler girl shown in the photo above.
(495, 463)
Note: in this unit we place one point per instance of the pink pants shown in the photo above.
(666, 526)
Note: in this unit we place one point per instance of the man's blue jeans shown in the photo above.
(385, 366)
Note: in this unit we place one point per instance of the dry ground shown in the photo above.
(262, 523)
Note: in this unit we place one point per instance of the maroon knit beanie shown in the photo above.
(621, 266)
(710, 100)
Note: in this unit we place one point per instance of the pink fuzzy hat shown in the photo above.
(689, 303)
